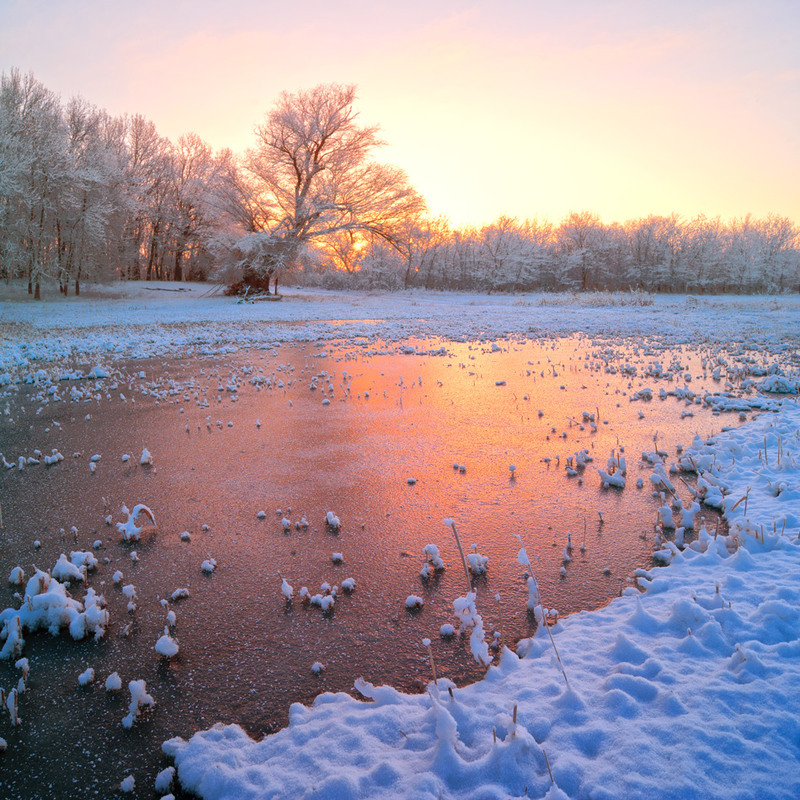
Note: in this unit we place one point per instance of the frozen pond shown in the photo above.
(393, 441)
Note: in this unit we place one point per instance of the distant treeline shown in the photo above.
(653, 254)
(88, 196)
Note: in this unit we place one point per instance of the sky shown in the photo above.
(525, 108)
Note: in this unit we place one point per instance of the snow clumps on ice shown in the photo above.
(477, 562)
(47, 605)
(332, 521)
(163, 782)
(17, 576)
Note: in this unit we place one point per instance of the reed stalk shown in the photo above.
(541, 606)
(452, 524)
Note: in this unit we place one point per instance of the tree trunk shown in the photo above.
(150, 259)
(37, 295)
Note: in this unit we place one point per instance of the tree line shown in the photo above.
(652, 254)
(86, 196)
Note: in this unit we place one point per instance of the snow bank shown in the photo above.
(667, 692)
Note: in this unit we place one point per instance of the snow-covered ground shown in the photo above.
(689, 689)
(139, 320)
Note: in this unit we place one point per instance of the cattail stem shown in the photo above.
(463, 557)
(544, 621)
(500, 614)
(427, 643)
(547, 761)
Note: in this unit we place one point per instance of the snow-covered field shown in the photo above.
(687, 689)
(138, 320)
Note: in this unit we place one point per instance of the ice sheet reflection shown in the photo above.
(245, 654)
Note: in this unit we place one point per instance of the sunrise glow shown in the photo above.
(511, 108)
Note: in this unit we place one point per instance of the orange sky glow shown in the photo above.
(624, 108)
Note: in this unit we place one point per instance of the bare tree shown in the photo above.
(313, 178)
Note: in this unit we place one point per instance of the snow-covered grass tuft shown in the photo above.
(129, 590)
(433, 561)
(471, 621)
(48, 605)
(65, 571)
(113, 682)
(332, 521)
(86, 677)
(17, 576)
(477, 562)
(166, 646)
(139, 699)
(131, 532)
(163, 782)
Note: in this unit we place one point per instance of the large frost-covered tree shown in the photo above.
(313, 178)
